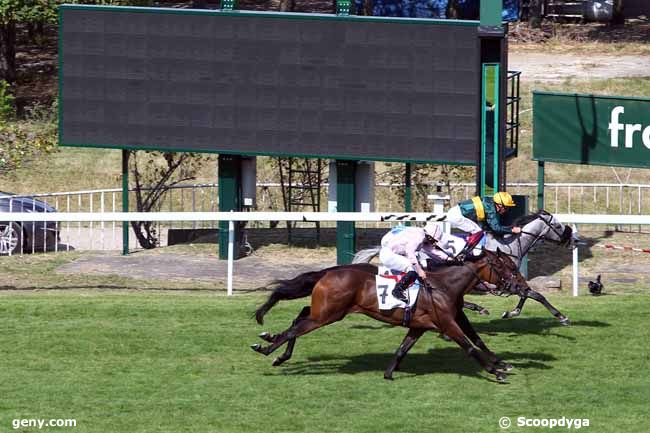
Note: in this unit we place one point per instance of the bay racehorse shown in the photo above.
(538, 227)
(341, 290)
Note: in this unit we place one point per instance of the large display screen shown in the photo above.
(270, 84)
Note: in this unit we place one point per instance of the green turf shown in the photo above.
(151, 362)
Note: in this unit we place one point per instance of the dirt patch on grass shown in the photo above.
(622, 271)
(201, 264)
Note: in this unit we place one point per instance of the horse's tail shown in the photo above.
(297, 287)
(364, 256)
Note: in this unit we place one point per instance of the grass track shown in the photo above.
(143, 362)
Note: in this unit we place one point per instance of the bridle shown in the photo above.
(505, 283)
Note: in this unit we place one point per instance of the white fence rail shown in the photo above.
(565, 198)
(603, 198)
(59, 217)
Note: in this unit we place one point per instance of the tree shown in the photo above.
(24, 141)
(154, 174)
(535, 13)
(13, 13)
(424, 177)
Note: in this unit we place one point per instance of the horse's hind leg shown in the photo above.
(475, 307)
(292, 342)
(300, 327)
(267, 336)
(409, 341)
(471, 333)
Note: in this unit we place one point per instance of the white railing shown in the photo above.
(583, 198)
(231, 217)
(559, 197)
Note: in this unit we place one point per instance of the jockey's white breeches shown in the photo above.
(394, 262)
(456, 219)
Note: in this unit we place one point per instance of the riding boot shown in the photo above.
(402, 285)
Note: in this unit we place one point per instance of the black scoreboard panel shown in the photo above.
(269, 84)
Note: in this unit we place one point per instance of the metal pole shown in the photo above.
(408, 206)
(125, 201)
(231, 253)
(540, 184)
(575, 264)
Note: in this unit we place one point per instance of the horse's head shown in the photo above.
(500, 270)
(545, 226)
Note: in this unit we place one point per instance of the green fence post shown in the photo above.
(229, 199)
(345, 230)
(490, 122)
(491, 11)
(125, 201)
(408, 205)
(540, 184)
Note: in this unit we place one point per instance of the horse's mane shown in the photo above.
(525, 219)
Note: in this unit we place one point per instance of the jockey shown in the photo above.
(399, 248)
(475, 215)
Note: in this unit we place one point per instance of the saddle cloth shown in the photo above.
(385, 282)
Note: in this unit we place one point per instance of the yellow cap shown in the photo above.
(503, 198)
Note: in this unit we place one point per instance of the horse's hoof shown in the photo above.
(277, 361)
(388, 376)
(265, 336)
(501, 377)
(484, 312)
(505, 366)
(565, 321)
(256, 347)
(505, 315)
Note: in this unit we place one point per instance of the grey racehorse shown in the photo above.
(538, 227)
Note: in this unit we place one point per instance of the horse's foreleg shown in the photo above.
(554, 311)
(471, 333)
(409, 341)
(475, 307)
(453, 330)
(517, 310)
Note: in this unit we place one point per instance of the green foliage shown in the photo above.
(24, 141)
(28, 11)
(6, 102)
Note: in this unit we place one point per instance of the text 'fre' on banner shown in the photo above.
(591, 129)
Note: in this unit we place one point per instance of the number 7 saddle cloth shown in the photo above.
(385, 281)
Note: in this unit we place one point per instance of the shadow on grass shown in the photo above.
(447, 360)
(522, 326)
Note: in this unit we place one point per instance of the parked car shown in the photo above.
(28, 235)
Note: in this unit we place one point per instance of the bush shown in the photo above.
(6, 102)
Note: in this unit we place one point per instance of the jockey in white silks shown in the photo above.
(400, 247)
